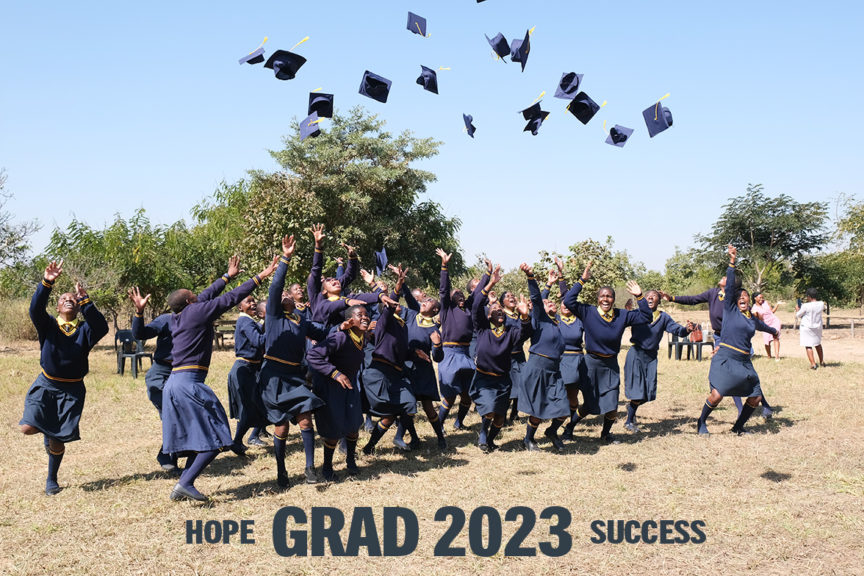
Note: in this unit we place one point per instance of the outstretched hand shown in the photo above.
(389, 302)
(139, 302)
(352, 252)
(633, 288)
(80, 293)
(526, 269)
(344, 381)
(733, 253)
(269, 269)
(368, 277)
(234, 266)
(552, 276)
(560, 265)
(665, 295)
(488, 264)
(586, 275)
(53, 270)
(318, 233)
(288, 245)
(435, 337)
(522, 306)
(690, 326)
(445, 258)
(495, 277)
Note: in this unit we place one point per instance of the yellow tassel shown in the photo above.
(317, 89)
(657, 106)
(315, 121)
(260, 45)
(531, 31)
(443, 68)
(543, 93)
(300, 42)
(603, 104)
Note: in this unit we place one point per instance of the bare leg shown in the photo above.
(819, 352)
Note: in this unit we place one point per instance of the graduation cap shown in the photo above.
(375, 86)
(255, 57)
(535, 117)
(285, 64)
(499, 45)
(416, 24)
(381, 261)
(568, 85)
(468, 119)
(519, 50)
(657, 118)
(583, 107)
(321, 104)
(309, 127)
(619, 135)
(428, 79)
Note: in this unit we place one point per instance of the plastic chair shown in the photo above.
(132, 349)
(678, 344)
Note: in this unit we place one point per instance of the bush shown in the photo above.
(15, 321)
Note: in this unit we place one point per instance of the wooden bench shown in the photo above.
(223, 334)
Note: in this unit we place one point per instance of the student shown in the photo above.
(542, 394)
(604, 325)
(193, 420)
(282, 380)
(55, 400)
(335, 363)
(810, 314)
(424, 346)
(640, 365)
(732, 373)
(508, 303)
(456, 370)
(243, 394)
(766, 313)
(496, 340)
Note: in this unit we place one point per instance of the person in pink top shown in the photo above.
(765, 312)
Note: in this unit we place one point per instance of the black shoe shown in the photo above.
(329, 476)
(368, 449)
(401, 444)
(442, 443)
(181, 493)
(553, 437)
(568, 433)
(52, 488)
(530, 445)
(415, 444)
(238, 449)
(741, 431)
(166, 462)
(352, 471)
(282, 481)
(256, 441)
(609, 439)
(484, 448)
(311, 476)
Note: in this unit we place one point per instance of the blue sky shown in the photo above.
(110, 106)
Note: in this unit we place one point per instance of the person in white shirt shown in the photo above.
(810, 313)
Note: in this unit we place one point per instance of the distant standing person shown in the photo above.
(765, 312)
(810, 313)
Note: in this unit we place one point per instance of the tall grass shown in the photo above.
(15, 321)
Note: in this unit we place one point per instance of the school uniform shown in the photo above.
(193, 419)
(421, 373)
(573, 369)
(517, 355)
(384, 380)
(159, 328)
(640, 365)
(282, 382)
(715, 298)
(457, 368)
(603, 333)
(325, 311)
(340, 352)
(541, 389)
(55, 400)
(243, 393)
(490, 387)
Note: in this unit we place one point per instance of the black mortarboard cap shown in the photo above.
(309, 127)
(519, 49)
(535, 117)
(499, 45)
(428, 79)
(285, 64)
(619, 135)
(468, 119)
(416, 24)
(255, 57)
(657, 118)
(568, 86)
(321, 104)
(583, 107)
(381, 261)
(375, 86)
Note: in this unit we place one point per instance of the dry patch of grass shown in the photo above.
(785, 500)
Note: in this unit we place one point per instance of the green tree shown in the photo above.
(689, 273)
(14, 243)
(768, 232)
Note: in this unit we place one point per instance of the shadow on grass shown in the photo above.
(107, 483)
(773, 476)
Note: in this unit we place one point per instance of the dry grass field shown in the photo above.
(788, 499)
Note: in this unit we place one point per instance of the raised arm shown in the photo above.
(674, 328)
(538, 311)
(350, 274)
(38, 315)
(444, 285)
(220, 283)
(570, 298)
(218, 305)
(643, 313)
(481, 296)
(95, 320)
(139, 330)
(277, 286)
(730, 304)
(313, 282)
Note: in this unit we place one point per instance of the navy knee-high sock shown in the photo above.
(376, 435)
(493, 433)
(765, 403)
(738, 403)
(242, 428)
(530, 430)
(308, 436)
(707, 408)
(407, 423)
(746, 412)
(607, 426)
(329, 449)
(193, 470)
(631, 412)
(351, 454)
(54, 460)
(279, 453)
(514, 411)
(437, 427)
(400, 428)
(463, 411)
(443, 410)
(554, 426)
(484, 430)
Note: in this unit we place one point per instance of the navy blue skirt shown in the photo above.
(602, 384)
(54, 408)
(244, 395)
(573, 370)
(193, 419)
(421, 374)
(342, 413)
(541, 390)
(388, 391)
(517, 362)
(455, 371)
(640, 375)
(155, 380)
(732, 374)
(491, 394)
(284, 393)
